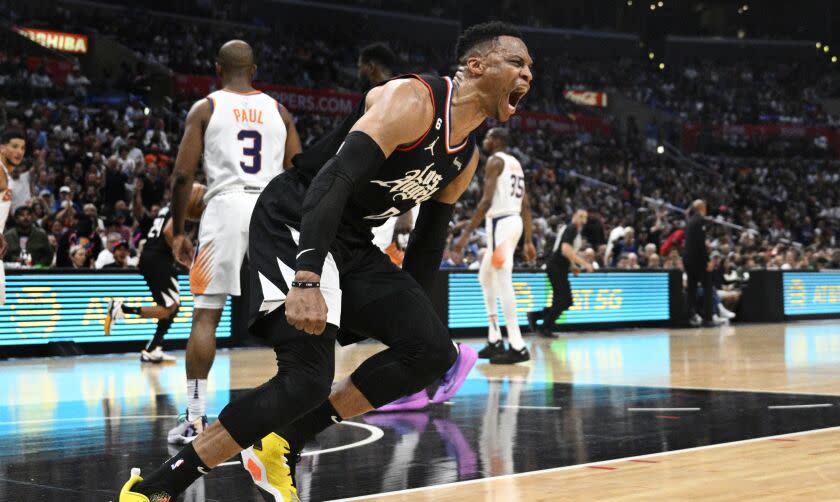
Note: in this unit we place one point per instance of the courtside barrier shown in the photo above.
(602, 299)
(50, 306)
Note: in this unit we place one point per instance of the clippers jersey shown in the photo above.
(244, 143)
(412, 174)
(155, 241)
(510, 188)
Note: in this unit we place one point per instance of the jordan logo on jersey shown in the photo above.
(431, 147)
(417, 185)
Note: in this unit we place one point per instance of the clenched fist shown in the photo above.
(306, 309)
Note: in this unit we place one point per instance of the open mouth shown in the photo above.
(515, 97)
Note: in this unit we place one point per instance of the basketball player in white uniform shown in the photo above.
(505, 207)
(12, 148)
(246, 139)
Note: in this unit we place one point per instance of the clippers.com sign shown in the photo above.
(57, 40)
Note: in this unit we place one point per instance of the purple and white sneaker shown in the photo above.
(457, 374)
(416, 401)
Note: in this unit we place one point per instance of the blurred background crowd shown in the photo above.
(754, 138)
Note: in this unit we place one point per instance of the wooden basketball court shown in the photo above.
(729, 413)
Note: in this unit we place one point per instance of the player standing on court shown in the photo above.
(408, 142)
(12, 149)
(506, 210)
(246, 138)
(159, 269)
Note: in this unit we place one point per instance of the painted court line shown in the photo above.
(608, 383)
(799, 406)
(530, 407)
(375, 435)
(663, 409)
(579, 466)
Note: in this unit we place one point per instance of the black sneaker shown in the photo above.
(512, 356)
(492, 349)
(532, 321)
(546, 333)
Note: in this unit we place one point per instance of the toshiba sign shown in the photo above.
(58, 40)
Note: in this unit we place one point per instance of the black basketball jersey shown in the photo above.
(155, 241)
(410, 176)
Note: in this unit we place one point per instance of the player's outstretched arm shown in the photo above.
(428, 241)
(293, 146)
(492, 170)
(186, 163)
(397, 113)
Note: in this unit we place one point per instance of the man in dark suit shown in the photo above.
(698, 267)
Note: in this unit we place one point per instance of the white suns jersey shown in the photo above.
(244, 143)
(5, 201)
(510, 188)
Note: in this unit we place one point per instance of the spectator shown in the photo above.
(115, 181)
(106, 255)
(82, 233)
(589, 256)
(153, 186)
(65, 200)
(28, 244)
(120, 253)
(79, 258)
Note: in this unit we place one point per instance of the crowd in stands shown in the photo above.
(95, 176)
(738, 93)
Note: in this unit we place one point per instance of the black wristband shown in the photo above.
(305, 284)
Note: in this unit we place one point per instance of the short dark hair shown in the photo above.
(10, 135)
(500, 133)
(485, 32)
(378, 53)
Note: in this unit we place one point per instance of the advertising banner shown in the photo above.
(810, 293)
(601, 297)
(75, 43)
(42, 308)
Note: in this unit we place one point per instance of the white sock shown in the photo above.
(505, 281)
(196, 398)
(486, 276)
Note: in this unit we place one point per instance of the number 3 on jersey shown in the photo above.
(253, 150)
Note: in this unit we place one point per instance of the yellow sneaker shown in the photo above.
(126, 495)
(272, 467)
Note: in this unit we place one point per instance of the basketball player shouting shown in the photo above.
(246, 138)
(505, 206)
(408, 142)
(159, 269)
(375, 66)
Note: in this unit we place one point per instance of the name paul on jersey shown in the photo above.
(248, 115)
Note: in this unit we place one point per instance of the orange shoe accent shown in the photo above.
(201, 270)
(254, 469)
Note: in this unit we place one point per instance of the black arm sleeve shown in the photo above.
(357, 159)
(428, 240)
